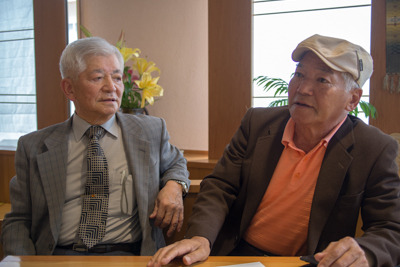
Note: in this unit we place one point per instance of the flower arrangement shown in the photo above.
(140, 86)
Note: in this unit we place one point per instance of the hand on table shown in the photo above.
(168, 209)
(345, 252)
(193, 250)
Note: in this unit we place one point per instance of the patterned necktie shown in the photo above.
(92, 225)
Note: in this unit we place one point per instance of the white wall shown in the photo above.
(173, 34)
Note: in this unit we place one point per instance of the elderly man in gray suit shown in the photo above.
(146, 175)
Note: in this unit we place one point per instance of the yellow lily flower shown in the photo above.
(142, 66)
(149, 93)
(150, 88)
(129, 53)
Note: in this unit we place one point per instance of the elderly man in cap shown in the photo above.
(294, 179)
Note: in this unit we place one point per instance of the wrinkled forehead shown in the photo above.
(99, 61)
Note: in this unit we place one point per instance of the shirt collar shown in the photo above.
(80, 126)
(287, 138)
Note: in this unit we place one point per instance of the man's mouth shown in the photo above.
(302, 104)
(109, 100)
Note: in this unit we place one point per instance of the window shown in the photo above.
(279, 25)
(17, 71)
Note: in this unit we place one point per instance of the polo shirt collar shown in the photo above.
(287, 138)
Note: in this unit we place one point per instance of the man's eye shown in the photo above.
(298, 74)
(323, 80)
(117, 78)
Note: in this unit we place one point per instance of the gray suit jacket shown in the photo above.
(358, 173)
(37, 191)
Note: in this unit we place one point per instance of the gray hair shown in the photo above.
(349, 81)
(73, 58)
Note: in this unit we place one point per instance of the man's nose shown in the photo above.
(109, 84)
(305, 87)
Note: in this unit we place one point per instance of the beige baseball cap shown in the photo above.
(338, 54)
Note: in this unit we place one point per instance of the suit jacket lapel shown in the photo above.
(330, 180)
(137, 151)
(138, 154)
(262, 170)
(52, 167)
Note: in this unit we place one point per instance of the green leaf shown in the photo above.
(279, 85)
(368, 109)
(85, 31)
(354, 112)
(279, 103)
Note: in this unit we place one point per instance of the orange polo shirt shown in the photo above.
(280, 225)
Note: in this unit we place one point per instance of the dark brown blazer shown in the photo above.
(358, 173)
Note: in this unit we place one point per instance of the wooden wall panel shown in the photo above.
(386, 103)
(52, 106)
(229, 70)
(7, 171)
(50, 40)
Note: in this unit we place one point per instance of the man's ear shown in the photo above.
(67, 87)
(355, 95)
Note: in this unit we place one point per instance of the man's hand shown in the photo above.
(168, 209)
(193, 250)
(345, 252)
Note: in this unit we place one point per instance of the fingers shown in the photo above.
(165, 255)
(200, 254)
(180, 221)
(176, 223)
(154, 213)
(345, 252)
(193, 250)
(168, 214)
(168, 210)
(159, 217)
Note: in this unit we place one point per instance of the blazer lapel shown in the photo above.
(262, 169)
(330, 180)
(52, 167)
(138, 154)
(137, 151)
